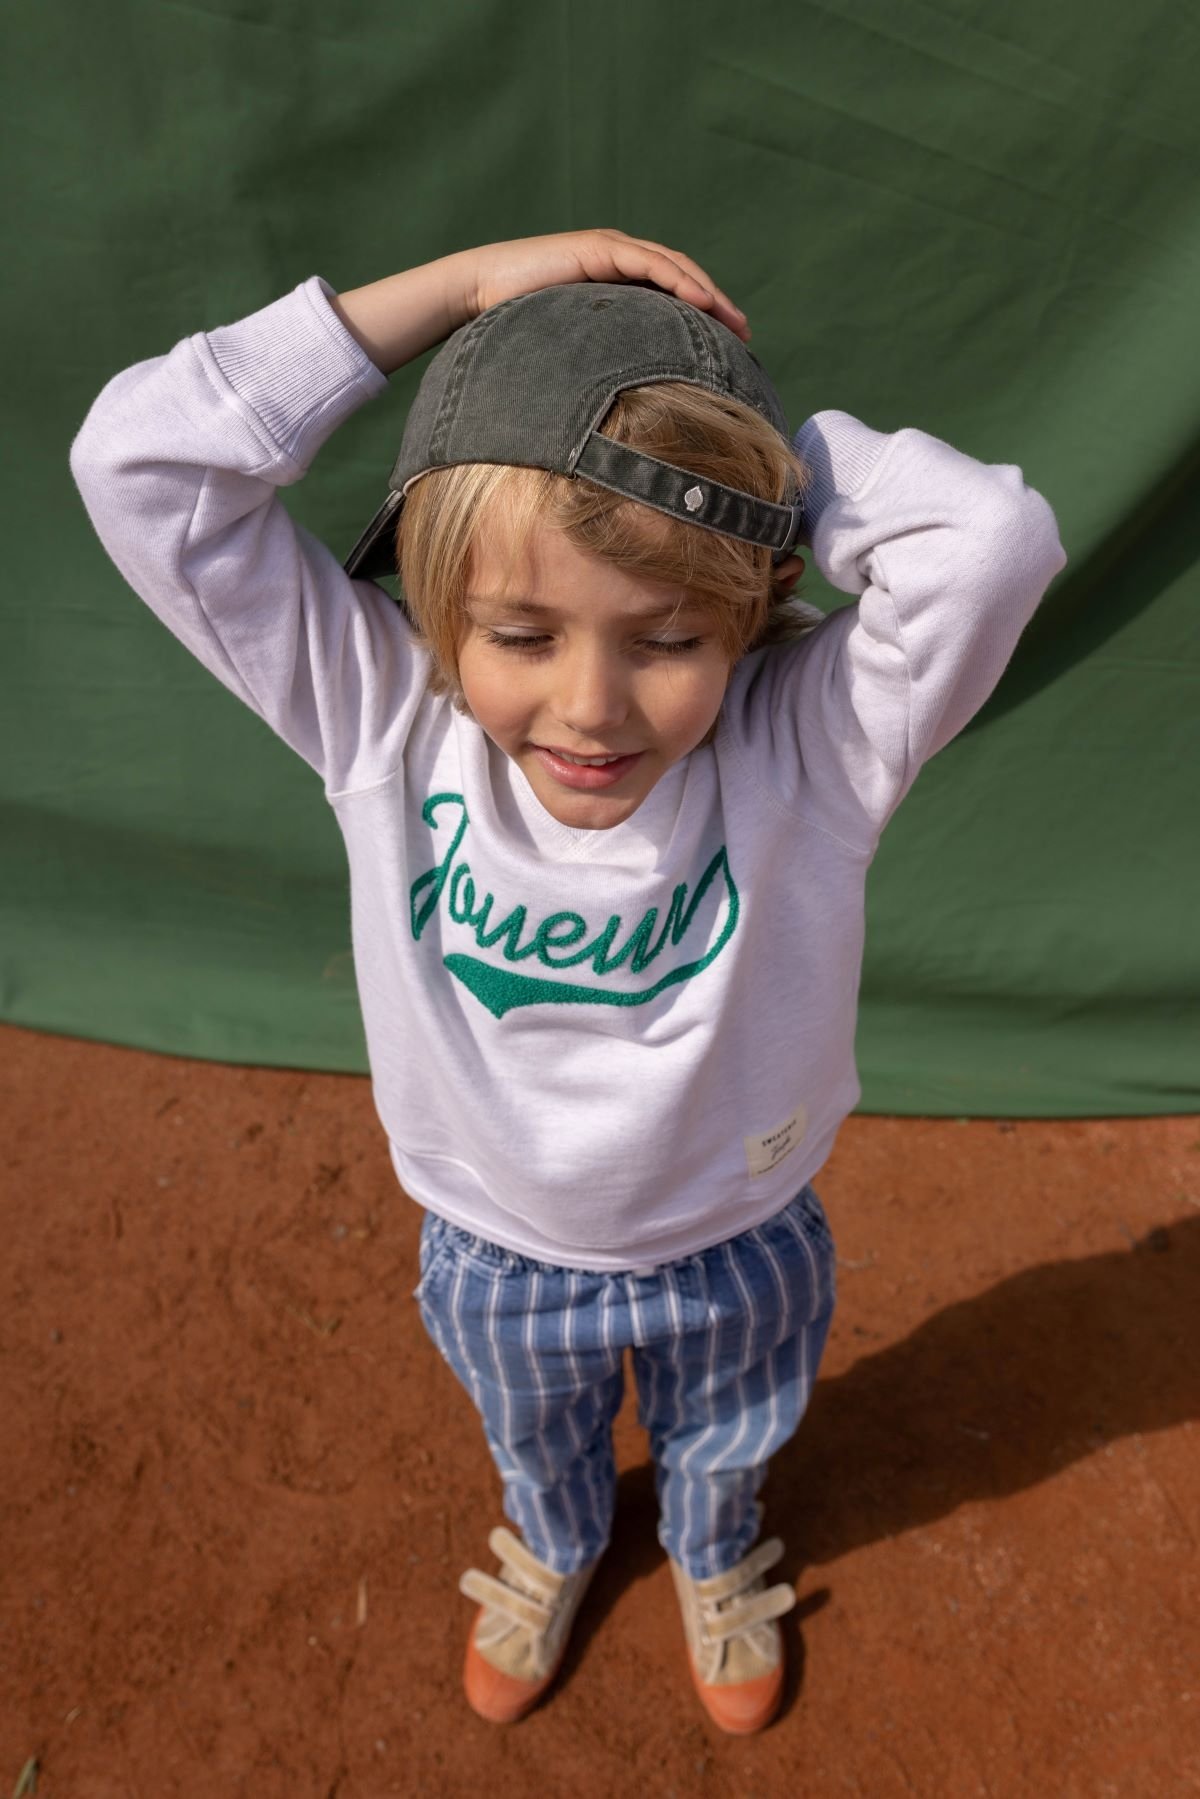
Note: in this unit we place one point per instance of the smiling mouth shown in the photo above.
(599, 760)
(586, 774)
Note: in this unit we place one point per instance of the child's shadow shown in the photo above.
(983, 1399)
(995, 1394)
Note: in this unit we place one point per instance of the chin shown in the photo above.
(590, 811)
(581, 810)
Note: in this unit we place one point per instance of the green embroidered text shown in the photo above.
(554, 939)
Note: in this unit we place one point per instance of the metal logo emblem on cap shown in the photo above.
(693, 498)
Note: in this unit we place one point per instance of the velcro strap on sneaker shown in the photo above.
(744, 1614)
(720, 1587)
(512, 1553)
(519, 1607)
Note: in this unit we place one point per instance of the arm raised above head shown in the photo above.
(179, 462)
(949, 558)
(395, 319)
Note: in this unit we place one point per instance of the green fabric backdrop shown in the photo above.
(975, 217)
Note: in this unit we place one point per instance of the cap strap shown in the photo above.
(689, 497)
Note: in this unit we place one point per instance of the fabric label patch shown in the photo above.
(767, 1152)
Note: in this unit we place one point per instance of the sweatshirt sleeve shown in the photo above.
(179, 461)
(949, 558)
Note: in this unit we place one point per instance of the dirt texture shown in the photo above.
(241, 1485)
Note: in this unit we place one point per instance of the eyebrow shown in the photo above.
(534, 608)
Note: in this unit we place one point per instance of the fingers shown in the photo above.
(699, 275)
(676, 272)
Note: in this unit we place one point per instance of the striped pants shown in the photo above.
(725, 1347)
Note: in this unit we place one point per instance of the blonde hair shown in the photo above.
(718, 439)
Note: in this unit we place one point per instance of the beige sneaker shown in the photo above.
(520, 1635)
(734, 1644)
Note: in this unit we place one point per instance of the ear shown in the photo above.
(785, 577)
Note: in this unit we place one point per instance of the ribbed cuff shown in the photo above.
(840, 452)
(295, 364)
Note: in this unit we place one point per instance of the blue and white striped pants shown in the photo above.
(725, 1347)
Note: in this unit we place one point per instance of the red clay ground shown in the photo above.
(240, 1485)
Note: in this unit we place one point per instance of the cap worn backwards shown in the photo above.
(529, 382)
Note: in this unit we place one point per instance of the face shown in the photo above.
(576, 658)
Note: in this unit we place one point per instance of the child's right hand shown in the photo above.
(495, 272)
(405, 314)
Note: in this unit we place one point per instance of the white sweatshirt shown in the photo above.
(604, 1049)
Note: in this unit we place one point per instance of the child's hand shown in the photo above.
(403, 315)
(496, 272)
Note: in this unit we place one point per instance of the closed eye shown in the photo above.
(534, 646)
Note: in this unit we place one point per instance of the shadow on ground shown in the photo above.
(985, 1398)
(995, 1394)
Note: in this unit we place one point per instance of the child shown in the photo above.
(609, 799)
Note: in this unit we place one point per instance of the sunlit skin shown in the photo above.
(596, 673)
(611, 665)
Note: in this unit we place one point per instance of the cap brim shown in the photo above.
(374, 555)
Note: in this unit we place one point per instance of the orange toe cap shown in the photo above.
(494, 1695)
(745, 1706)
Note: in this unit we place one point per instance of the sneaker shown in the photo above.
(520, 1634)
(735, 1647)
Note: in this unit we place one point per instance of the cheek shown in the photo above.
(687, 707)
(494, 693)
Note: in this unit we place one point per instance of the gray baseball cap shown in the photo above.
(529, 381)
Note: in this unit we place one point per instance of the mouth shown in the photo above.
(585, 773)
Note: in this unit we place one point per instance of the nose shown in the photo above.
(591, 694)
